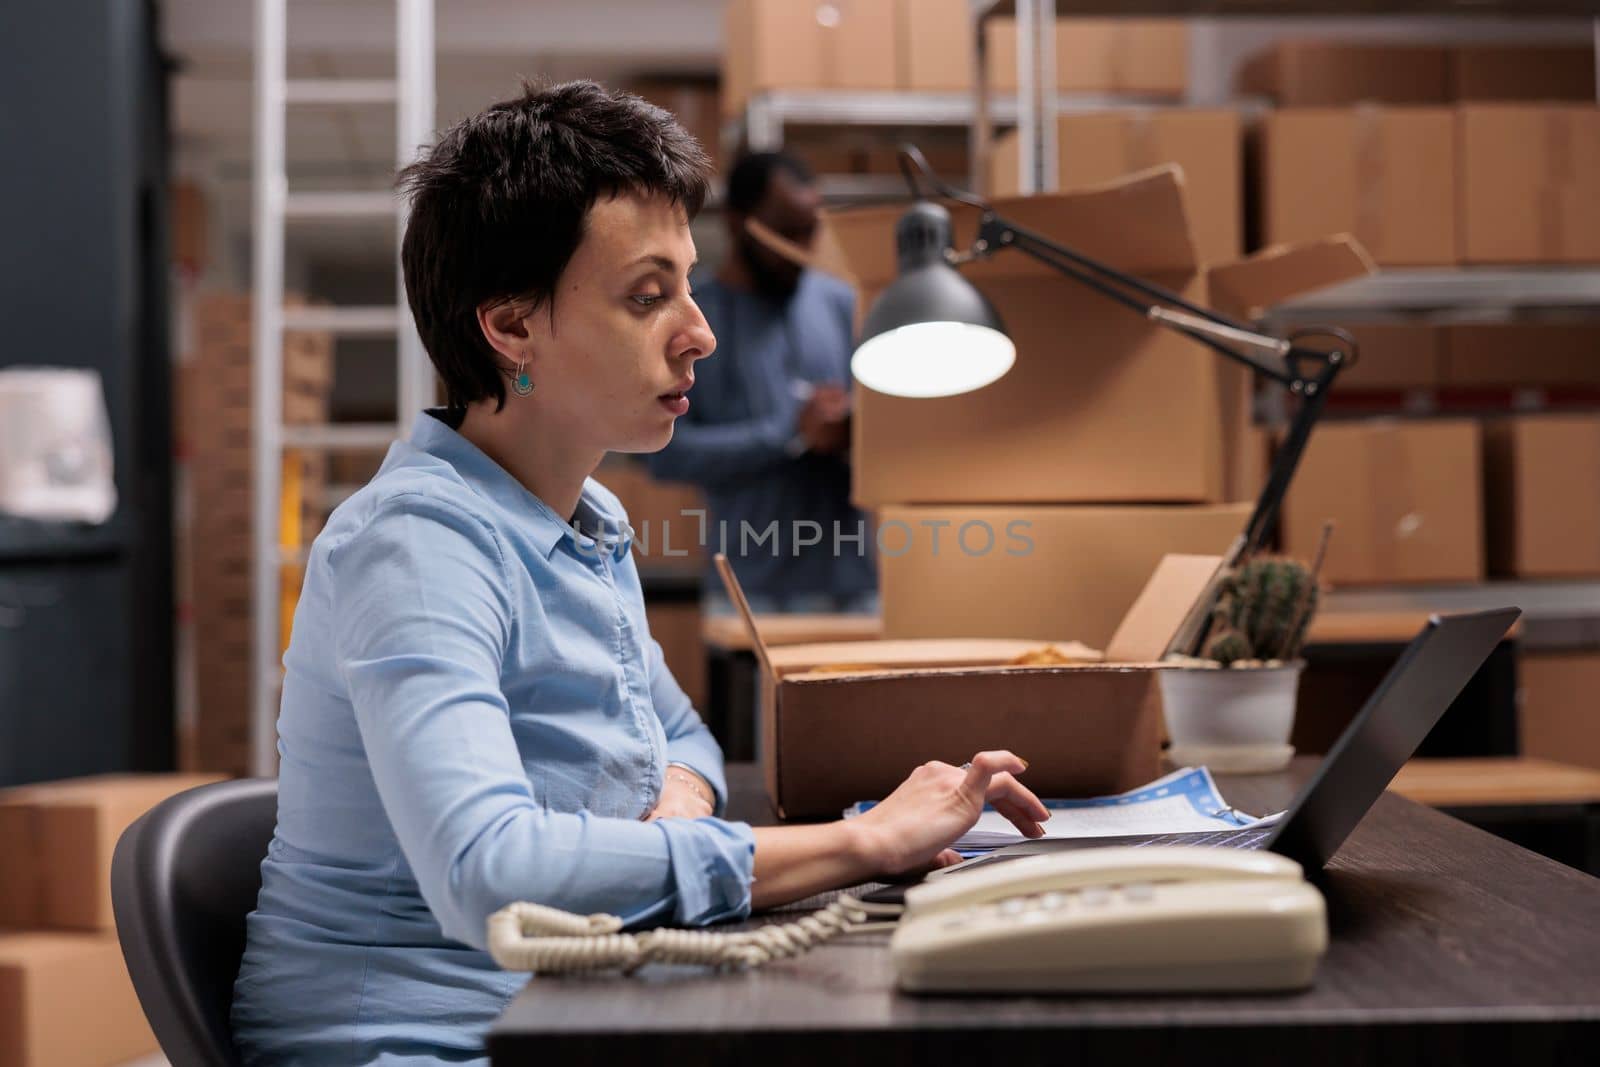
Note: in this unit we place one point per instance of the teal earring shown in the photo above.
(521, 384)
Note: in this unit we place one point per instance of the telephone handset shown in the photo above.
(1166, 919)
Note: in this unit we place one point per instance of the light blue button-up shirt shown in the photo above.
(474, 713)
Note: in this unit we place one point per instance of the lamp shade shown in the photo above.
(930, 333)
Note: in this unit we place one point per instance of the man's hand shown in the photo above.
(684, 795)
(824, 421)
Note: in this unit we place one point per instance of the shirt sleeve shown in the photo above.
(424, 619)
(715, 454)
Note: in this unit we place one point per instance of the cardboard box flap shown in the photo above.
(1251, 286)
(938, 652)
(1179, 589)
(1138, 223)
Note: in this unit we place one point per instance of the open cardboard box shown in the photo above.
(848, 722)
(1102, 406)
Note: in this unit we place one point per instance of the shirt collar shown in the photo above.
(601, 528)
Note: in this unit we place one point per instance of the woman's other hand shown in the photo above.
(914, 827)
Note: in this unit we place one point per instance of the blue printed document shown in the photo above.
(1185, 801)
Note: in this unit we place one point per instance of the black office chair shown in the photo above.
(183, 878)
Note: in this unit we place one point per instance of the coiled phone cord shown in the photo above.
(533, 937)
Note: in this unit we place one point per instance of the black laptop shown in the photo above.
(1429, 675)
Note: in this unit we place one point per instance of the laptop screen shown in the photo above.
(1412, 697)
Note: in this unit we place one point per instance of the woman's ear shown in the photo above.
(503, 326)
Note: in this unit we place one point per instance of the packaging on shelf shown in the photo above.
(1527, 185)
(1386, 175)
(1093, 148)
(1405, 498)
(1542, 495)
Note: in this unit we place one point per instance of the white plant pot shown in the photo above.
(1231, 719)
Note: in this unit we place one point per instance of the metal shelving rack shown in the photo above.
(411, 93)
(1556, 610)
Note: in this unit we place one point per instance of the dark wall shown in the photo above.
(86, 612)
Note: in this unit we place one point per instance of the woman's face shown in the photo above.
(622, 332)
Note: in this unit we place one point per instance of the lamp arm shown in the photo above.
(1200, 324)
(1282, 361)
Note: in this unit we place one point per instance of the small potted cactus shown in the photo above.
(1232, 707)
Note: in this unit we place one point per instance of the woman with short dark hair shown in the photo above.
(473, 709)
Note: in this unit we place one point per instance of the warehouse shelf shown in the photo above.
(1468, 293)
(340, 92)
(1542, 602)
(768, 114)
(1281, 8)
(349, 436)
(347, 321)
(343, 205)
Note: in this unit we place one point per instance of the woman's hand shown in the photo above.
(914, 827)
(684, 795)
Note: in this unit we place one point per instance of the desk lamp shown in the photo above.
(931, 333)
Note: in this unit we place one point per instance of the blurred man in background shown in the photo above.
(767, 436)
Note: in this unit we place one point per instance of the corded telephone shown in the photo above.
(1097, 920)
(1115, 919)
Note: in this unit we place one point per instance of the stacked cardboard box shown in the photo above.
(1394, 356)
(693, 102)
(1542, 494)
(1139, 57)
(1473, 356)
(1432, 186)
(1528, 178)
(927, 45)
(1405, 499)
(58, 946)
(1093, 148)
(1536, 355)
(215, 416)
(1310, 73)
(1555, 713)
(1111, 441)
(1386, 175)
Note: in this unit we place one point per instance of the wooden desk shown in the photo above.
(1449, 946)
(1551, 808)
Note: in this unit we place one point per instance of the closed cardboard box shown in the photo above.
(1142, 57)
(1557, 716)
(1405, 499)
(1102, 406)
(1487, 72)
(694, 103)
(66, 1001)
(1522, 354)
(1542, 496)
(1528, 355)
(935, 46)
(806, 44)
(1528, 180)
(1096, 148)
(57, 840)
(1064, 571)
(1385, 175)
(1339, 73)
(1394, 356)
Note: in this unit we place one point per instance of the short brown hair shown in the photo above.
(498, 208)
